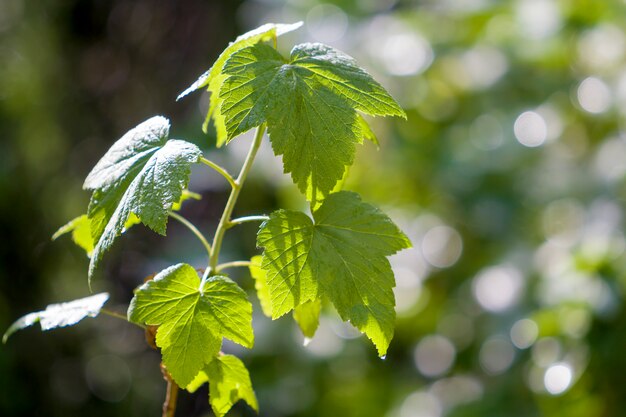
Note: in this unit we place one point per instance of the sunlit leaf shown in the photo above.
(143, 174)
(309, 103)
(260, 284)
(340, 254)
(192, 320)
(229, 382)
(186, 195)
(80, 228)
(60, 315)
(214, 77)
(307, 316)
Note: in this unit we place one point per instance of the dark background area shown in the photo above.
(507, 176)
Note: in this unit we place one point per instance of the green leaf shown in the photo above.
(258, 274)
(341, 74)
(187, 195)
(192, 321)
(214, 77)
(309, 104)
(199, 380)
(229, 382)
(82, 234)
(340, 255)
(60, 315)
(307, 316)
(367, 131)
(143, 174)
(80, 227)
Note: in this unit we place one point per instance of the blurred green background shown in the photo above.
(507, 176)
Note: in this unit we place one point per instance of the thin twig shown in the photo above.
(171, 396)
(246, 219)
(233, 264)
(193, 230)
(121, 317)
(220, 170)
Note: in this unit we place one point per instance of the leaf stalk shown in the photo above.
(193, 230)
(116, 315)
(233, 264)
(246, 219)
(220, 170)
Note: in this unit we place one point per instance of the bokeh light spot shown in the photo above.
(530, 129)
(602, 47)
(558, 378)
(442, 246)
(562, 221)
(406, 54)
(594, 95)
(496, 355)
(457, 390)
(326, 342)
(546, 351)
(498, 288)
(421, 404)
(434, 355)
(538, 19)
(327, 23)
(524, 333)
(486, 132)
(407, 290)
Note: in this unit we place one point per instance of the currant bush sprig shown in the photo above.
(310, 104)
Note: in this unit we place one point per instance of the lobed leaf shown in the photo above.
(229, 382)
(80, 228)
(186, 195)
(306, 315)
(309, 104)
(340, 254)
(260, 284)
(341, 74)
(368, 133)
(60, 315)
(214, 77)
(192, 320)
(140, 178)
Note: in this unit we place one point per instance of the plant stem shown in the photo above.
(171, 395)
(232, 200)
(245, 219)
(220, 170)
(226, 265)
(193, 230)
(120, 316)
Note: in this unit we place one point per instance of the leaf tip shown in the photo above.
(284, 28)
(60, 232)
(198, 84)
(382, 349)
